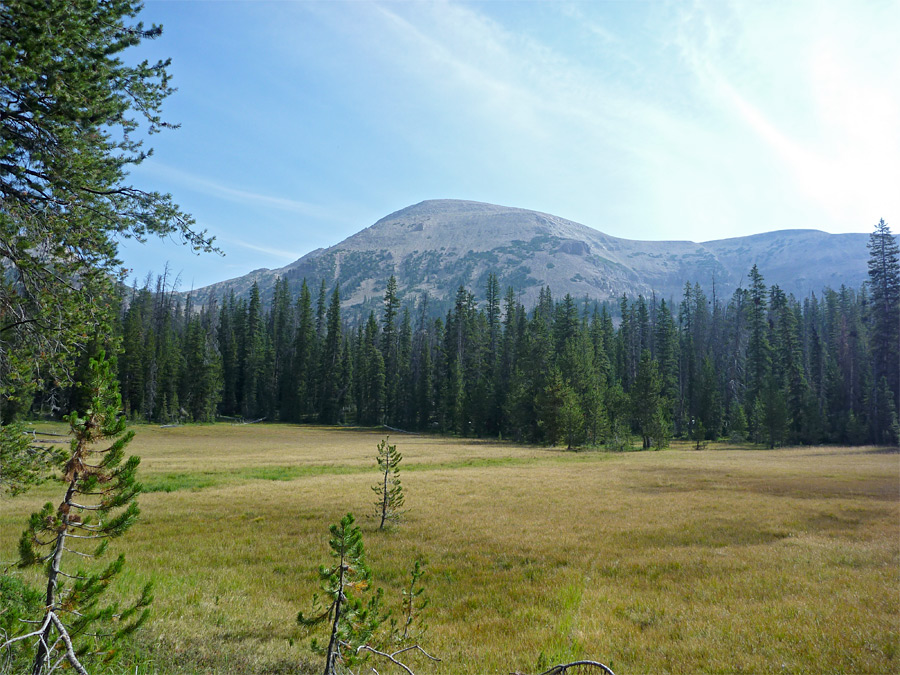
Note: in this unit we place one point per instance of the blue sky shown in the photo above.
(304, 122)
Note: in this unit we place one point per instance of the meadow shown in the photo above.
(726, 559)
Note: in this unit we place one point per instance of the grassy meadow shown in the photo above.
(720, 560)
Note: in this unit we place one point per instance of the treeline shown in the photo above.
(761, 365)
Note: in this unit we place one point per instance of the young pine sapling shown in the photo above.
(351, 621)
(414, 603)
(99, 505)
(389, 489)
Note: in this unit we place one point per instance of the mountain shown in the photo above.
(435, 246)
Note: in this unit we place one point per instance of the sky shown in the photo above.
(305, 122)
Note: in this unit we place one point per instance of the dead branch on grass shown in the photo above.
(563, 668)
(392, 656)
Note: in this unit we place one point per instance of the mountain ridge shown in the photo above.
(436, 245)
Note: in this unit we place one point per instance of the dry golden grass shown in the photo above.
(723, 560)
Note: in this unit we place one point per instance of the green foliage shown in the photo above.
(23, 462)
(647, 404)
(19, 603)
(559, 373)
(99, 505)
(352, 622)
(618, 404)
(775, 414)
(560, 415)
(699, 436)
(737, 423)
(414, 604)
(73, 115)
(389, 490)
(884, 282)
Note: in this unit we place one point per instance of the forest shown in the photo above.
(760, 366)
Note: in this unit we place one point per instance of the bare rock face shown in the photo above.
(436, 246)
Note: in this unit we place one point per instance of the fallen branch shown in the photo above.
(392, 657)
(400, 431)
(563, 668)
(261, 419)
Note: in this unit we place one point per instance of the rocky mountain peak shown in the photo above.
(435, 246)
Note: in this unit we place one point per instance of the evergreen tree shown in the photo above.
(331, 400)
(737, 423)
(884, 282)
(646, 404)
(618, 404)
(371, 376)
(710, 412)
(253, 358)
(389, 490)
(228, 348)
(24, 463)
(493, 355)
(202, 375)
(73, 112)
(99, 505)
(666, 341)
(788, 354)
(884, 419)
(560, 417)
(405, 414)
(759, 358)
(390, 349)
(351, 622)
(305, 353)
(283, 335)
(775, 416)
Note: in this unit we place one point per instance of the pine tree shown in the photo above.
(351, 622)
(99, 505)
(24, 463)
(228, 349)
(389, 490)
(305, 352)
(370, 376)
(759, 358)
(73, 113)
(202, 375)
(646, 404)
(405, 385)
(884, 420)
(390, 349)
(618, 404)
(493, 354)
(281, 330)
(737, 423)
(884, 282)
(775, 416)
(333, 387)
(710, 412)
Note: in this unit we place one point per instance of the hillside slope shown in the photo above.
(435, 246)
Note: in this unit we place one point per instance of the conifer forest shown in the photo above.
(757, 365)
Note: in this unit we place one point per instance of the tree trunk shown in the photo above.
(332, 642)
(40, 659)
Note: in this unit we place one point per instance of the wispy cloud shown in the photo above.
(643, 119)
(216, 189)
(808, 82)
(281, 254)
